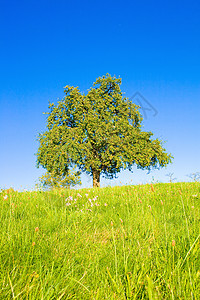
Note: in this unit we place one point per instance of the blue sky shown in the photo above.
(153, 46)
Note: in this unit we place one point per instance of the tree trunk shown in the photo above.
(96, 178)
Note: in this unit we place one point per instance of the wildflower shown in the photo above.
(180, 192)
(35, 275)
(140, 200)
(194, 196)
(161, 202)
(36, 229)
(105, 204)
(111, 223)
(149, 206)
(152, 188)
(67, 204)
(78, 195)
(173, 243)
(33, 244)
(86, 195)
(5, 197)
(95, 198)
(121, 220)
(192, 207)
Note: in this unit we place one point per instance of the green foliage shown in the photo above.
(131, 242)
(53, 180)
(100, 132)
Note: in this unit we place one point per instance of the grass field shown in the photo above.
(130, 242)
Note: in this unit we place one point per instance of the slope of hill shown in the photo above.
(130, 242)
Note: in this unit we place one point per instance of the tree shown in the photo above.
(171, 178)
(100, 132)
(194, 176)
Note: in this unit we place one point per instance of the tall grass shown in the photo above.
(132, 242)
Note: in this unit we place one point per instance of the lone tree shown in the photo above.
(99, 132)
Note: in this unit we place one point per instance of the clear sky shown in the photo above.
(154, 46)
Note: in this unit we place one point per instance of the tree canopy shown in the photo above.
(99, 132)
(55, 180)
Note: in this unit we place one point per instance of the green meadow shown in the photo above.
(129, 242)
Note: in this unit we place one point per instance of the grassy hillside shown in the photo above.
(131, 242)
